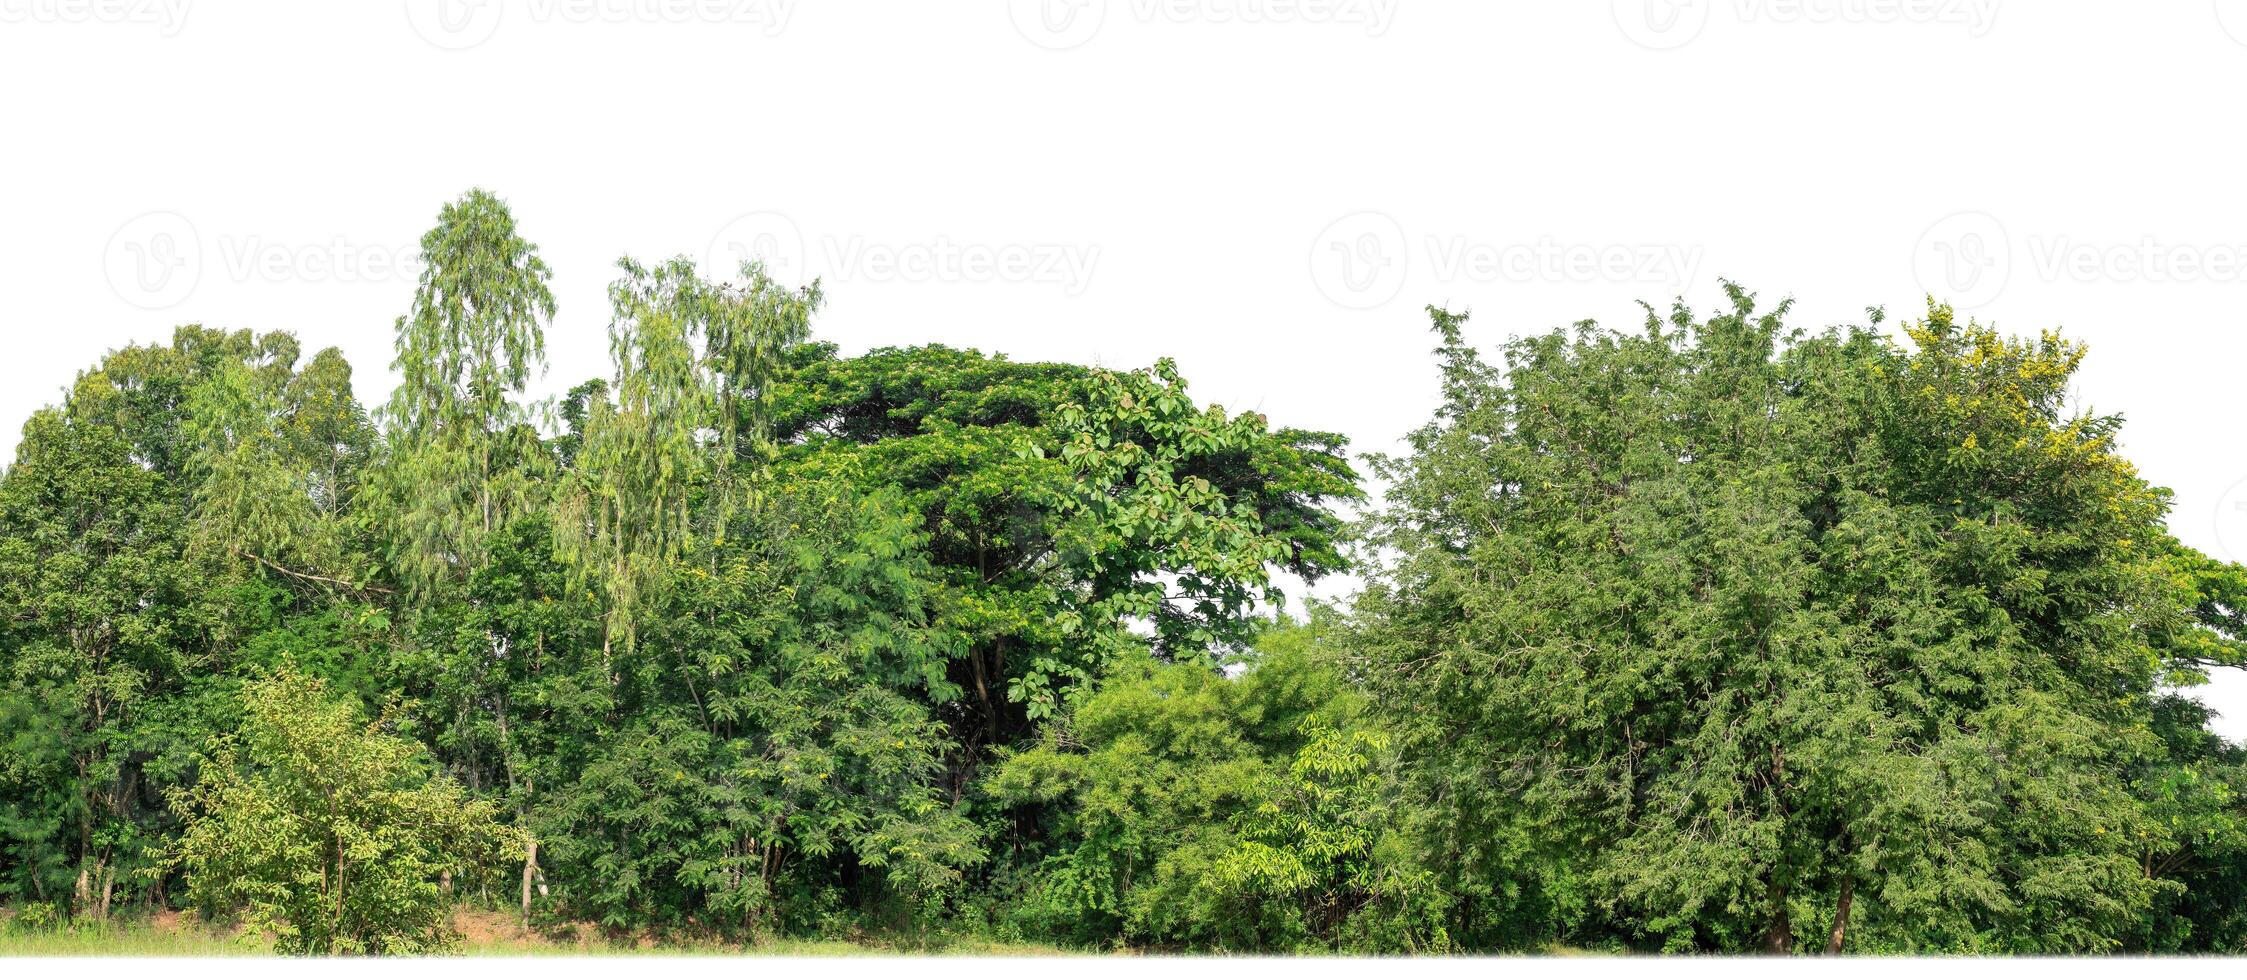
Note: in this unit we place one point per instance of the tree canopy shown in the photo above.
(1710, 635)
(1726, 636)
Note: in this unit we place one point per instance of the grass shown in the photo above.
(119, 940)
(485, 934)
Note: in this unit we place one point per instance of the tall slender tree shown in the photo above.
(463, 460)
(461, 455)
(658, 461)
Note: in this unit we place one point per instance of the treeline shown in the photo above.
(1711, 636)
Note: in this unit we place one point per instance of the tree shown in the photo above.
(1194, 809)
(1176, 515)
(769, 756)
(275, 465)
(461, 462)
(1322, 845)
(1726, 637)
(1065, 505)
(1713, 635)
(694, 362)
(2195, 789)
(2196, 797)
(94, 590)
(106, 616)
(329, 831)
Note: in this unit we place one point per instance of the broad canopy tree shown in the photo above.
(1725, 636)
(1066, 506)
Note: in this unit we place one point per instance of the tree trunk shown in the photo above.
(1778, 938)
(1840, 916)
(530, 868)
(983, 697)
(108, 887)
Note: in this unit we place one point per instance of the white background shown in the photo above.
(1268, 191)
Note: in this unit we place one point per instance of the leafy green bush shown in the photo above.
(1193, 809)
(317, 826)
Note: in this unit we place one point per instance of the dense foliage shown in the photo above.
(327, 831)
(1712, 636)
(1722, 636)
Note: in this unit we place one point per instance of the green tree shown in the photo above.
(1176, 515)
(95, 589)
(2196, 797)
(1725, 637)
(330, 832)
(107, 615)
(2195, 790)
(1192, 809)
(1063, 504)
(1322, 844)
(275, 465)
(694, 360)
(770, 756)
(461, 462)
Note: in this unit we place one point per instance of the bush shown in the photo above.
(328, 831)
